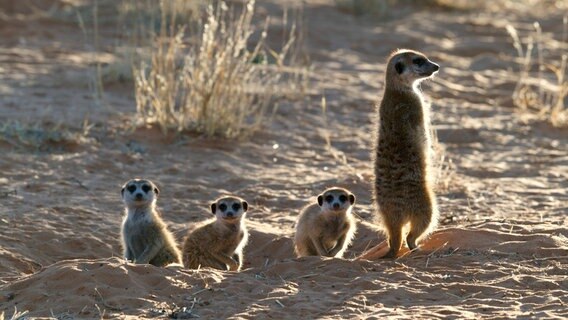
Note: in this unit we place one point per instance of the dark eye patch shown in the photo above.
(146, 188)
(399, 67)
(223, 207)
(329, 198)
(236, 206)
(342, 198)
(131, 188)
(419, 61)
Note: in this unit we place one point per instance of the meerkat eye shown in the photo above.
(223, 207)
(131, 188)
(399, 67)
(329, 198)
(146, 188)
(418, 61)
(342, 198)
(236, 206)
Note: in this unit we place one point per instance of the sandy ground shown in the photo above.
(501, 250)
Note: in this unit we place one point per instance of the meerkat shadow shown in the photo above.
(375, 252)
(445, 238)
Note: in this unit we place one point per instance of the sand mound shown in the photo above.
(491, 237)
(459, 271)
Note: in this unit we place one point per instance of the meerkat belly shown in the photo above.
(232, 243)
(139, 237)
(225, 242)
(400, 169)
(333, 230)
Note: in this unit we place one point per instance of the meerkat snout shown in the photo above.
(407, 68)
(335, 202)
(420, 66)
(425, 67)
(229, 209)
(139, 192)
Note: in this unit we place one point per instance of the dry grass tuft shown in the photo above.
(338, 155)
(42, 137)
(17, 315)
(142, 18)
(211, 81)
(95, 75)
(542, 84)
(444, 168)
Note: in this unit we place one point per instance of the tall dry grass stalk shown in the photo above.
(17, 315)
(338, 155)
(443, 166)
(95, 83)
(142, 19)
(214, 83)
(539, 90)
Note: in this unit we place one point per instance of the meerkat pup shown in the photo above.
(403, 179)
(145, 236)
(219, 244)
(327, 227)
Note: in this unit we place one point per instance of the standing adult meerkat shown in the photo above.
(403, 179)
(327, 227)
(219, 243)
(145, 236)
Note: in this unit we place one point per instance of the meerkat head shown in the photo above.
(229, 209)
(406, 68)
(139, 193)
(336, 200)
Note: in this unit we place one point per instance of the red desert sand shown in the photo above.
(500, 251)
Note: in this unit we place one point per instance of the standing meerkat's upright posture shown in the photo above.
(145, 236)
(327, 227)
(219, 244)
(403, 190)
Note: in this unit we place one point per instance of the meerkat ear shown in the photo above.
(320, 200)
(213, 207)
(122, 192)
(352, 199)
(399, 67)
(156, 190)
(245, 206)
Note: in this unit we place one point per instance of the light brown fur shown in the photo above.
(324, 231)
(145, 237)
(219, 243)
(403, 191)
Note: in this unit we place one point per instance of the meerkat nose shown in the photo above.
(139, 196)
(229, 214)
(436, 67)
(336, 206)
